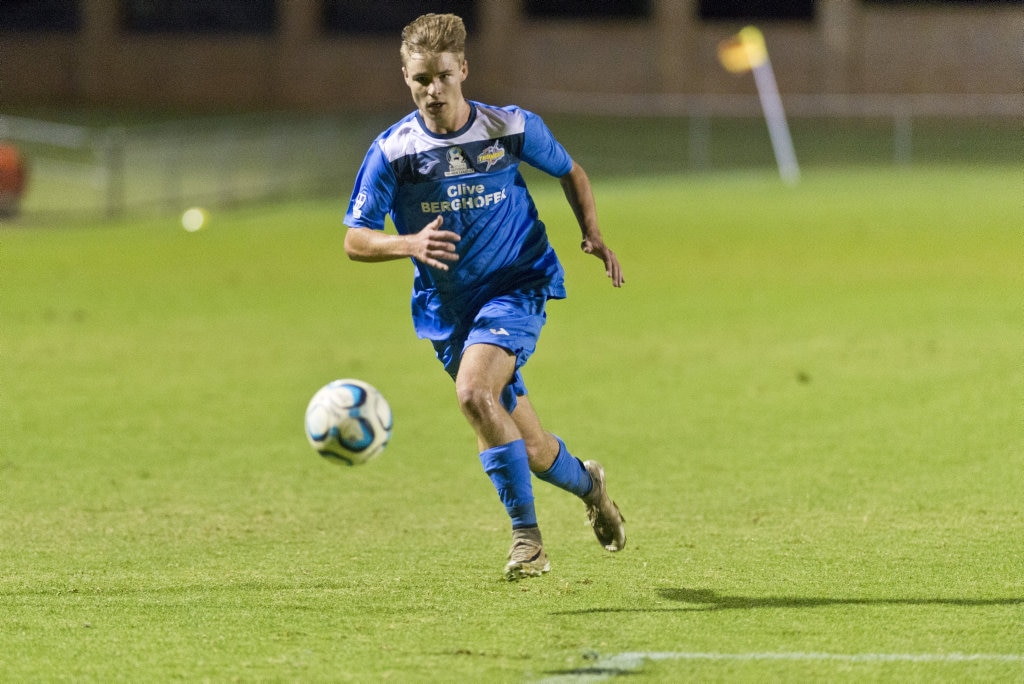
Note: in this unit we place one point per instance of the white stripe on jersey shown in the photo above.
(408, 137)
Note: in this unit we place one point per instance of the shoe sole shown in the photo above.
(523, 571)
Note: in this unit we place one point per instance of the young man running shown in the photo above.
(447, 174)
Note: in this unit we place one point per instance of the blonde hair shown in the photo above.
(434, 34)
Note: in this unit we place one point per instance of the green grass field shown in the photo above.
(807, 400)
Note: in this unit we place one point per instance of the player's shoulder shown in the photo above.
(511, 117)
(404, 137)
(404, 127)
(513, 120)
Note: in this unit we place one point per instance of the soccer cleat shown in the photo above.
(604, 515)
(526, 558)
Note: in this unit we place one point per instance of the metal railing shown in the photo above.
(166, 167)
(900, 110)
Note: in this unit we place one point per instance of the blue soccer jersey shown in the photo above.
(471, 178)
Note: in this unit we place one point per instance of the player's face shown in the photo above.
(435, 81)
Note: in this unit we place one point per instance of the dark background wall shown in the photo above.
(343, 54)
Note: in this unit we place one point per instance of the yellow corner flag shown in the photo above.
(744, 51)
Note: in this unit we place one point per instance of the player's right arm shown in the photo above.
(373, 197)
(431, 246)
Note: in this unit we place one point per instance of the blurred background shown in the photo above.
(110, 106)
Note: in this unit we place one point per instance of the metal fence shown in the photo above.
(91, 171)
(898, 115)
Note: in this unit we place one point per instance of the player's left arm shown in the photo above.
(576, 186)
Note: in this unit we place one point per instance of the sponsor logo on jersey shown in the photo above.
(357, 208)
(491, 155)
(464, 196)
(428, 165)
(457, 164)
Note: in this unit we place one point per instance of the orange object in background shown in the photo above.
(13, 177)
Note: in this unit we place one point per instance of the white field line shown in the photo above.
(607, 667)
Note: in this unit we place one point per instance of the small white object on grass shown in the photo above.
(193, 219)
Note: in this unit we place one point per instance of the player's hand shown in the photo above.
(611, 262)
(433, 246)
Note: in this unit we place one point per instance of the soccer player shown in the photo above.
(447, 174)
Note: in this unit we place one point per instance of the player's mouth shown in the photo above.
(435, 107)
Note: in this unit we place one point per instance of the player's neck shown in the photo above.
(460, 118)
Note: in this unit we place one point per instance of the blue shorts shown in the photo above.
(512, 322)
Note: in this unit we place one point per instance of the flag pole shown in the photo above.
(775, 116)
(747, 52)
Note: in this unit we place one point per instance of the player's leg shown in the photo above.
(484, 372)
(551, 461)
(541, 445)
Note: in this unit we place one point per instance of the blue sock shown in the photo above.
(509, 469)
(568, 472)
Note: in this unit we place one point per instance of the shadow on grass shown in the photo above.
(703, 600)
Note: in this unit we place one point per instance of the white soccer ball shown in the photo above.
(348, 421)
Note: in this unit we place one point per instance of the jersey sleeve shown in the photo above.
(541, 150)
(374, 191)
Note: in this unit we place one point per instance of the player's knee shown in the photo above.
(476, 402)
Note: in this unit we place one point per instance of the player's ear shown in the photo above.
(464, 69)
